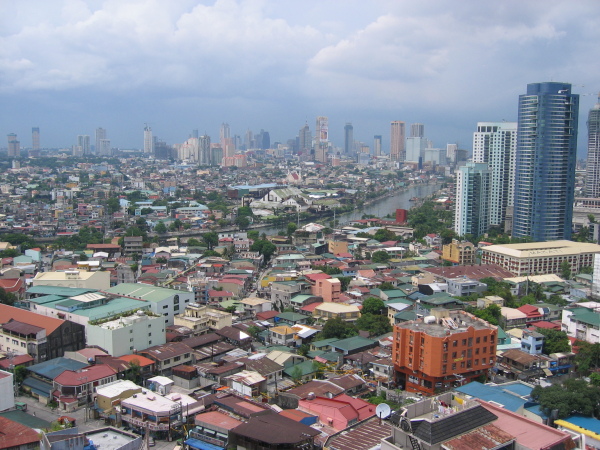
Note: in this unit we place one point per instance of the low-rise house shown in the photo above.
(201, 318)
(282, 335)
(517, 364)
(109, 396)
(169, 355)
(213, 428)
(340, 412)
(73, 389)
(16, 436)
(247, 382)
(329, 310)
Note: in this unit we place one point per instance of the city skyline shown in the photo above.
(71, 67)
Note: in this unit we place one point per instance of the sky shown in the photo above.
(71, 66)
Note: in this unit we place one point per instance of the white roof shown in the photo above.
(512, 313)
(117, 388)
(536, 278)
(337, 307)
(164, 381)
(549, 248)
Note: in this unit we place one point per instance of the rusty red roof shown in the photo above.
(13, 434)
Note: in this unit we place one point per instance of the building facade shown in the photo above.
(592, 168)
(545, 162)
(397, 141)
(447, 348)
(348, 139)
(472, 206)
(539, 258)
(495, 144)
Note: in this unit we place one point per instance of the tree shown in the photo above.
(337, 328)
(375, 324)
(595, 379)
(291, 227)
(253, 331)
(373, 305)
(573, 396)
(555, 341)
(380, 256)
(244, 211)
(565, 270)
(303, 349)
(193, 242)
(491, 314)
(386, 286)
(113, 205)
(211, 239)
(243, 222)
(253, 234)
(160, 227)
(587, 358)
(134, 372)
(344, 283)
(264, 247)
(296, 374)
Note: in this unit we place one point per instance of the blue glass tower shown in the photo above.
(545, 162)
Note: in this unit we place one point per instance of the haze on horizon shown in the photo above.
(71, 66)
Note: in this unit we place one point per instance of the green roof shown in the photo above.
(314, 353)
(406, 315)
(300, 298)
(306, 368)
(590, 318)
(352, 343)
(331, 356)
(46, 299)
(324, 342)
(58, 290)
(394, 293)
(291, 316)
(144, 291)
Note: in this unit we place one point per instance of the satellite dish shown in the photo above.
(383, 410)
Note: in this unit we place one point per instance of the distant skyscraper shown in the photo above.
(224, 132)
(104, 148)
(397, 141)
(417, 130)
(322, 139)
(148, 141)
(195, 133)
(100, 134)
(495, 144)
(248, 140)
(415, 148)
(348, 139)
(83, 142)
(471, 214)
(14, 146)
(545, 162)
(204, 149)
(592, 171)
(304, 140)
(35, 138)
(377, 145)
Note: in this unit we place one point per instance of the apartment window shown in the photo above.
(176, 300)
(23, 344)
(165, 306)
(176, 308)
(150, 334)
(187, 355)
(464, 342)
(444, 368)
(492, 338)
(422, 341)
(177, 358)
(476, 362)
(130, 339)
(485, 339)
(454, 366)
(470, 342)
(478, 340)
(454, 343)
(484, 349)
(477, 351)
(445, 357)
(453, 355)
(131, 331)
(462, 364)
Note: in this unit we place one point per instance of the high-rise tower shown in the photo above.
(304, 140)
(495, 144)
(417, 130)
(348, 139)
(471, 215)
(35, 138)
(148, 140)
(100, 135)
(592, 171)
(322, 139)
(83, 144)
(377, 145)
(397, 141)
(14, 146)
(545, 162)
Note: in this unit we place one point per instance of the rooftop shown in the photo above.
(549, 248)
(457, 322)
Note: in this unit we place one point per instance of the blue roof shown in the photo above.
(507, 395)
(589, 423)
(201, 445)
(53, 368)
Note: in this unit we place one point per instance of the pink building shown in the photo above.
(328, 288)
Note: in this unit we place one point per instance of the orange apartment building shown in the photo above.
(438, 351)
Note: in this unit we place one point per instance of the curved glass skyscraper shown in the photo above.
(545, 162)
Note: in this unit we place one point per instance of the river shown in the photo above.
(400, 200)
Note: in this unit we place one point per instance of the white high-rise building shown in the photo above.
(100, 134)
(471, 214)
(495, 144)
(148, 140)
(83, 142)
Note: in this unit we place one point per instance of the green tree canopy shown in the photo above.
(573, 396)
(386, 286)
(380, 256)
(490, 314)
(565, 270)
(337, 328)
(555, 341)
(244, 211)
(291, 227)
(243, 222)
(373, 305)
(375, 324)
(264, 247)
(160, 227)
(588, 357)
(211, 239)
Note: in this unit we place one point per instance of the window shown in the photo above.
(478, 340)
(165, 306)
(150, 334)
(453, 355)
(177, 358)
(454, 366)
(176, 308)
(454, 343)
(176, 300)
(130, 339)
(464, 342)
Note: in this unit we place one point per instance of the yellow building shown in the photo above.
(539, 258)
(461, 253)
(329, 310)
